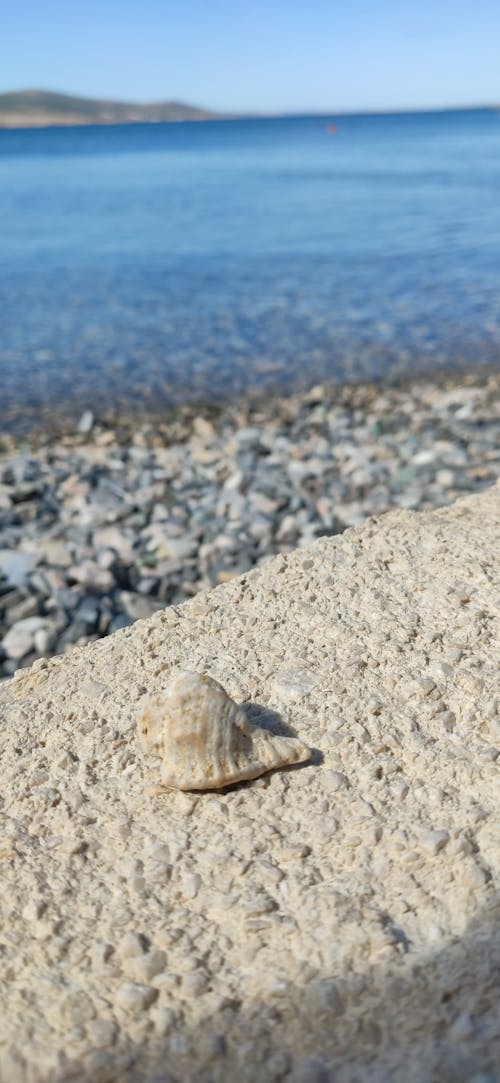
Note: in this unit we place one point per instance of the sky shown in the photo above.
(267, 56)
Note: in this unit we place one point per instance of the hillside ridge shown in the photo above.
(45, 108)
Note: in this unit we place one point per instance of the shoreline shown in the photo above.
(12, 122)
(36, 425)
(109, 522)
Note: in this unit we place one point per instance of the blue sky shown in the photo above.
(258, 55)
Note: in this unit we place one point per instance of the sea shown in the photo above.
(143, 266)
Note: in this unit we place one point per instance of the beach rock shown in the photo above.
(86, 422)
(131, 997)
(20, 607)
(338, 920)
(55, 552)
(121, 620)
(20, 637)
(89, 574)
(87, 612)
(136, 606)
(45, 638)
(16, 566)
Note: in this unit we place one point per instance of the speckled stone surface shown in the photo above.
(335, 921)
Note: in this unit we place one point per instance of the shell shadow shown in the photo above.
(259, 715)
(267, 719)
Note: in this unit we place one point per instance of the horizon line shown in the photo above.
(248, 114)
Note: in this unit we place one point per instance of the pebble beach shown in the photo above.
(114, 519)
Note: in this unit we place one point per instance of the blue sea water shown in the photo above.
(149, 264)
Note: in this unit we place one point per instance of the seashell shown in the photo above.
(205, 739)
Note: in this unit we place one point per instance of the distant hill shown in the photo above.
(46, 109)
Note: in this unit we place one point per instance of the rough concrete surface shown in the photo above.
(338, 920)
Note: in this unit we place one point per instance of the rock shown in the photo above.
(75, 632)
(336, 781)
(434, 841)
(204, 428)
(143, 968)
(78, 1008)
(167, 548)
(55, 552)
(66, 598)
(20, 637)
(131, 946)
(26, 607)
(135, 998)
(16, 566)
(121, 620)
(194, 984)
(146, 585)
(136, 606)
(89, 574)
(86, 422)
(311, 1070)
(112, 537)
(87, 611)
(102, 1033)
(273, 928)
(45, 639)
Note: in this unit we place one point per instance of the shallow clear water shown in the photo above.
(152, 263)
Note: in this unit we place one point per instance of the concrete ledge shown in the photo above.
(334, 921)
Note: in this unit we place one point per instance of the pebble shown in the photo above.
(163, 1019)
(434, 841)
(194, 984)
(143, 968)
(17, 642)
(15, 565)
(336, 781)
(78, 1008)
(107, 524)
(86, 422)
(311, 1070)
(135, 998)
(131, 946)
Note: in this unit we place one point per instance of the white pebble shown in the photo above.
(143, 968)
(131, 946)
(33, 910)
(191, 885)
(194, 984)
(434, 841)
(163, 1019)
(336, 780)
(135, 998)
(86, 422)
